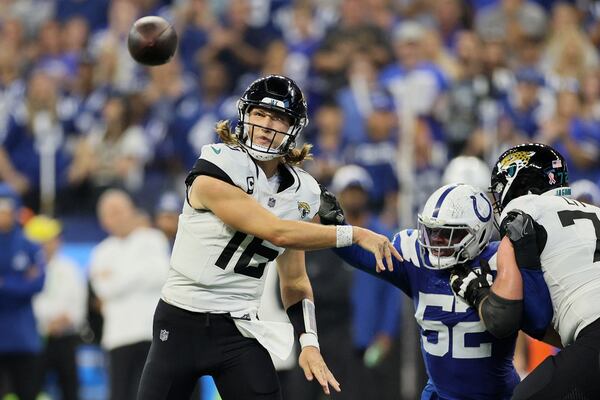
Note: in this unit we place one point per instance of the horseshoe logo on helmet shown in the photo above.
(481, 217)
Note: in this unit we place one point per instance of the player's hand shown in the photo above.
(379, 245)
(330, 211)
(314, 366)
(527, 242)
(471, 285)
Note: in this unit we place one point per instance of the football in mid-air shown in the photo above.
(152, 41)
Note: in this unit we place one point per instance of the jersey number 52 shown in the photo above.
(449, 337)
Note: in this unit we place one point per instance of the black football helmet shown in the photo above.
(278, 93)
(532, 168)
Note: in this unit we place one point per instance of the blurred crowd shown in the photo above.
(78, 115)
(396, 88)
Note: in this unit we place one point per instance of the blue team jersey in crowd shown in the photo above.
(463, 360)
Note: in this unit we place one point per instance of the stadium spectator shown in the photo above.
(194, 19)
(112, 154)
(60, 308)
(236, 43)
(434, 51)
(12, 87)
(354, 100)
(576, 138)
(168, 88)
(32, 13)
(523, 110)
(352, 33)
(88, 93)
(94, 12)
(462, 116)
(373, 334)
(22, 272)
(450, 17)
(35, 136)
(127, 271)
(51, 58)
(109, 45)
(196, 115)
(415, 77)
(377, 154)
(590, 95)
(75, 37)
(586, 191)
(511, 20)
(166, 214)
(495, 54)
(568, 51)
(328, 143)
(302, 34)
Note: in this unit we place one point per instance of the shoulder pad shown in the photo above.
(526, 204)
(228, 163)
(405, 242)
(518, 224)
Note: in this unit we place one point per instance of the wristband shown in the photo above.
(303, 318)
(343, 235)
(309, 339)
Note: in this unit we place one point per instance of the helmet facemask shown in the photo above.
(502, 181)
(277, 94)
(446, 245)
(455, 226)
(246, 132)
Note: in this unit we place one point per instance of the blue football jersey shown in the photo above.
(463, 360)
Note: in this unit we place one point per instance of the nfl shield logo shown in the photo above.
(271, 202)
(164, 335)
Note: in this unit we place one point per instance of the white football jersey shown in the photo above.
(215, 268)
(570, 259)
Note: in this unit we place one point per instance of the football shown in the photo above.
(152, 41)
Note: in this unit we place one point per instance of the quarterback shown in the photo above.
(247, 205)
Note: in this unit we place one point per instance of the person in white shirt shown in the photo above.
(60, 308)
(127, 271)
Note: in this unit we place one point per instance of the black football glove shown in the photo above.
(330, 211)
(527, 236)
(471, 285)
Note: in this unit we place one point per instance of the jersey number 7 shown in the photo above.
(568, 217)
(243, 264)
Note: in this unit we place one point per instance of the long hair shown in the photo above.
(293, 157)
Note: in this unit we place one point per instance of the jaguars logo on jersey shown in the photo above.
(304, 209)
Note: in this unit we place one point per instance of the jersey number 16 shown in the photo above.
(243, 265)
